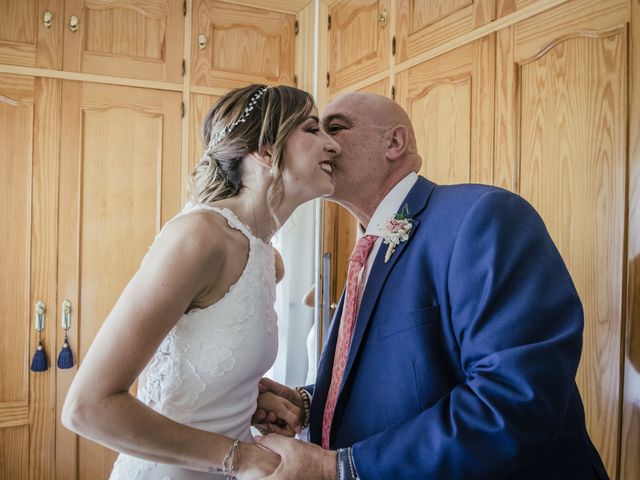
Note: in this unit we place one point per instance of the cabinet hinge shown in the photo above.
(184, 67)
(182, 110)
(296, 28)
(393, 93)
(329, 22)
(184, 8)
(295, 80)
(328, 79)
(393, 46)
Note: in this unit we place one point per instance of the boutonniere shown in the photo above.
(396, 230)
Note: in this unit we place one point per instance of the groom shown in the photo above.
(453, 351)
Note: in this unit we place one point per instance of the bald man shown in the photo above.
(456, 356)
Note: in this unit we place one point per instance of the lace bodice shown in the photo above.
(206, 370)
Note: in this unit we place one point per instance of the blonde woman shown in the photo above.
(197, 319)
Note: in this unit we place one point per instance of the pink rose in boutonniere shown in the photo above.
(396, 230)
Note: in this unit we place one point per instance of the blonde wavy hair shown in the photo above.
(277, 112)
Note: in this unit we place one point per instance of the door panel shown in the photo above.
(450, 101)
(422, 26)
(561, 144)
(359, 42)
(241, 45)
(24, 40)
(29, 113)
(126, 38)
(122, 182)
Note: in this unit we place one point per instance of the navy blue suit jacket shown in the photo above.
(465, 350)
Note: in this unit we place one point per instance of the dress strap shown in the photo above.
(231, 217)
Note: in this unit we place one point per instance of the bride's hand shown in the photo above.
(255, 461)
(288, 415)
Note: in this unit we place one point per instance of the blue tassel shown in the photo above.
(39, 362)
(65, 359)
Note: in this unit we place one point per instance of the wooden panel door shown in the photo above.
(234, 45)
(450, 102)
(562, 144)
(24, 38)
(422, 25)
(125, 38)
(30, 119)
(120, 181)
(359, 41)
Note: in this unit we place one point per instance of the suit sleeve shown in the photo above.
(518, 323)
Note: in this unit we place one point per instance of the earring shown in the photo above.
(272, 171)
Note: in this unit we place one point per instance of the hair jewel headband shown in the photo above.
(218, 137)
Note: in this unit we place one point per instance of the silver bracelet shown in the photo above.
(227, 463)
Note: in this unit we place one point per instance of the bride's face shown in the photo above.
(308, 161)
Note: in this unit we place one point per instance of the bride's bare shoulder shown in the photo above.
(201, 234)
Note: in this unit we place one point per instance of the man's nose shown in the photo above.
(332, 146)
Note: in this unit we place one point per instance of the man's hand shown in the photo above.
(299, 459)
(287, 415)
(279, 410)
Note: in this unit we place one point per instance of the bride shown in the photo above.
(197, 321)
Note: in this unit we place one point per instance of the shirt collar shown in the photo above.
(390, 204)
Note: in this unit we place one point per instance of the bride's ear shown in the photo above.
(263, 158)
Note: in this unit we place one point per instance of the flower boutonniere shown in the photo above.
(396, 230)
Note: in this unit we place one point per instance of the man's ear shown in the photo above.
(396, 142)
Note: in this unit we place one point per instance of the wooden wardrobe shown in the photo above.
(100, 109)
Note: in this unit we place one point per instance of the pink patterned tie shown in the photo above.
(345, 332)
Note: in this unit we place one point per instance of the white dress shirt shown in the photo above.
(386, 209)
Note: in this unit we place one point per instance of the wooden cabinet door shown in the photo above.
(126, 38)
(359, 42)
(120, 181)
(422, 25)
(24, 39)
(562, 144)
(30, 119)
(234, 45)
(450, 102)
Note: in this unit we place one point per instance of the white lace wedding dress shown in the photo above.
(205, 372)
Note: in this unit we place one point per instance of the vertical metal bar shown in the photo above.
(317, 307)
(326, 295)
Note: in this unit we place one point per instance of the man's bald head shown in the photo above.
(378, 149)
(376, 110)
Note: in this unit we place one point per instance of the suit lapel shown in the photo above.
(416, 200)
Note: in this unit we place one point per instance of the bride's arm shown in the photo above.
(185, 261)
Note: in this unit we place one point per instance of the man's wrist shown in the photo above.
(329, 471)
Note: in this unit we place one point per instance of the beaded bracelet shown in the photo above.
(306, 406)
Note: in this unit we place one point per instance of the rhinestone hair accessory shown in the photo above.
(218, 137)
